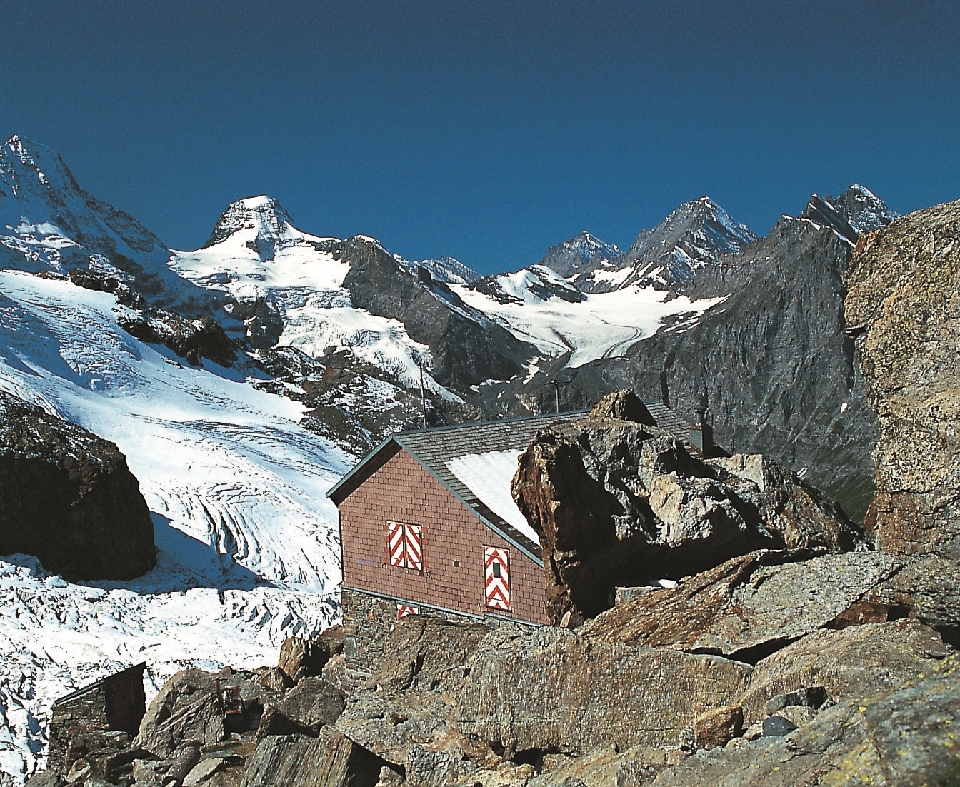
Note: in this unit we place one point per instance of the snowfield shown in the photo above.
(248, 543)
(602, 325)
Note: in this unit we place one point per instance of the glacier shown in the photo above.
(248, 542)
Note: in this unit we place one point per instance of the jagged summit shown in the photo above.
(572, 256)
(49, 223)
(34, 180)
(669, 255)
(701, 227)
(863, 210)
(854, 212)
(265, 216)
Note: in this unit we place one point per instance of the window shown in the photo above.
(496, 573)
(405, 545)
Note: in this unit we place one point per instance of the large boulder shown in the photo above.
(411, 698)
(68, 497)
(306, 658)
(191, 709)
(330, 759)
(619, 502)
(551, 690)
(749, 606)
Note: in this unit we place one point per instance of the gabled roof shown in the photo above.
(435, 449)
(130, 673)
(472, 461)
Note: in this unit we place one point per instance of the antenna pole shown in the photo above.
(556, 391)
(423, 397)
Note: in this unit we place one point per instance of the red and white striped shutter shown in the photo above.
(406, 609)
(414, 547)
(497, 577)
(395, 545)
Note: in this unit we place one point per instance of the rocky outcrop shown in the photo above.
(858, 661)
(191, 708)
(190, 339)
(902, 737)
(622, 503)
(747, 607)
(554, 691)
(904, 310)
(306, 658)
(68, 497)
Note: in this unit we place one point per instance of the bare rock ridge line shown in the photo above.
(772, 360)
(68, 497)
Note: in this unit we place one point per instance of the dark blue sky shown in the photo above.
(486, 130)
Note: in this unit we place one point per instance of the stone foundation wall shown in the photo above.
(368, 621)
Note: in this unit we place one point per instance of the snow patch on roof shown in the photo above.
(489, 476)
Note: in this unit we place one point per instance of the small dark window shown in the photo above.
(496, 570)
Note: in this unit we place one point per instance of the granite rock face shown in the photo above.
(621, 503)
(552, 690)
(904, 737)
(68, 497)
(904, 310)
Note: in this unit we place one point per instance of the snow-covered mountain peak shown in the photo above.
(572, 256)
(262, 221)
(33, 173)
(47, 222)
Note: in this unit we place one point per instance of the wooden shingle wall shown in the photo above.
(401, 490)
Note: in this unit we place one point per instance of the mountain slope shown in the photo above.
(47, 222)
(771, 359)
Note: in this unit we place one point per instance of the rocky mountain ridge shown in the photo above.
(772, 361)
(274, 288)
(670, 255)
